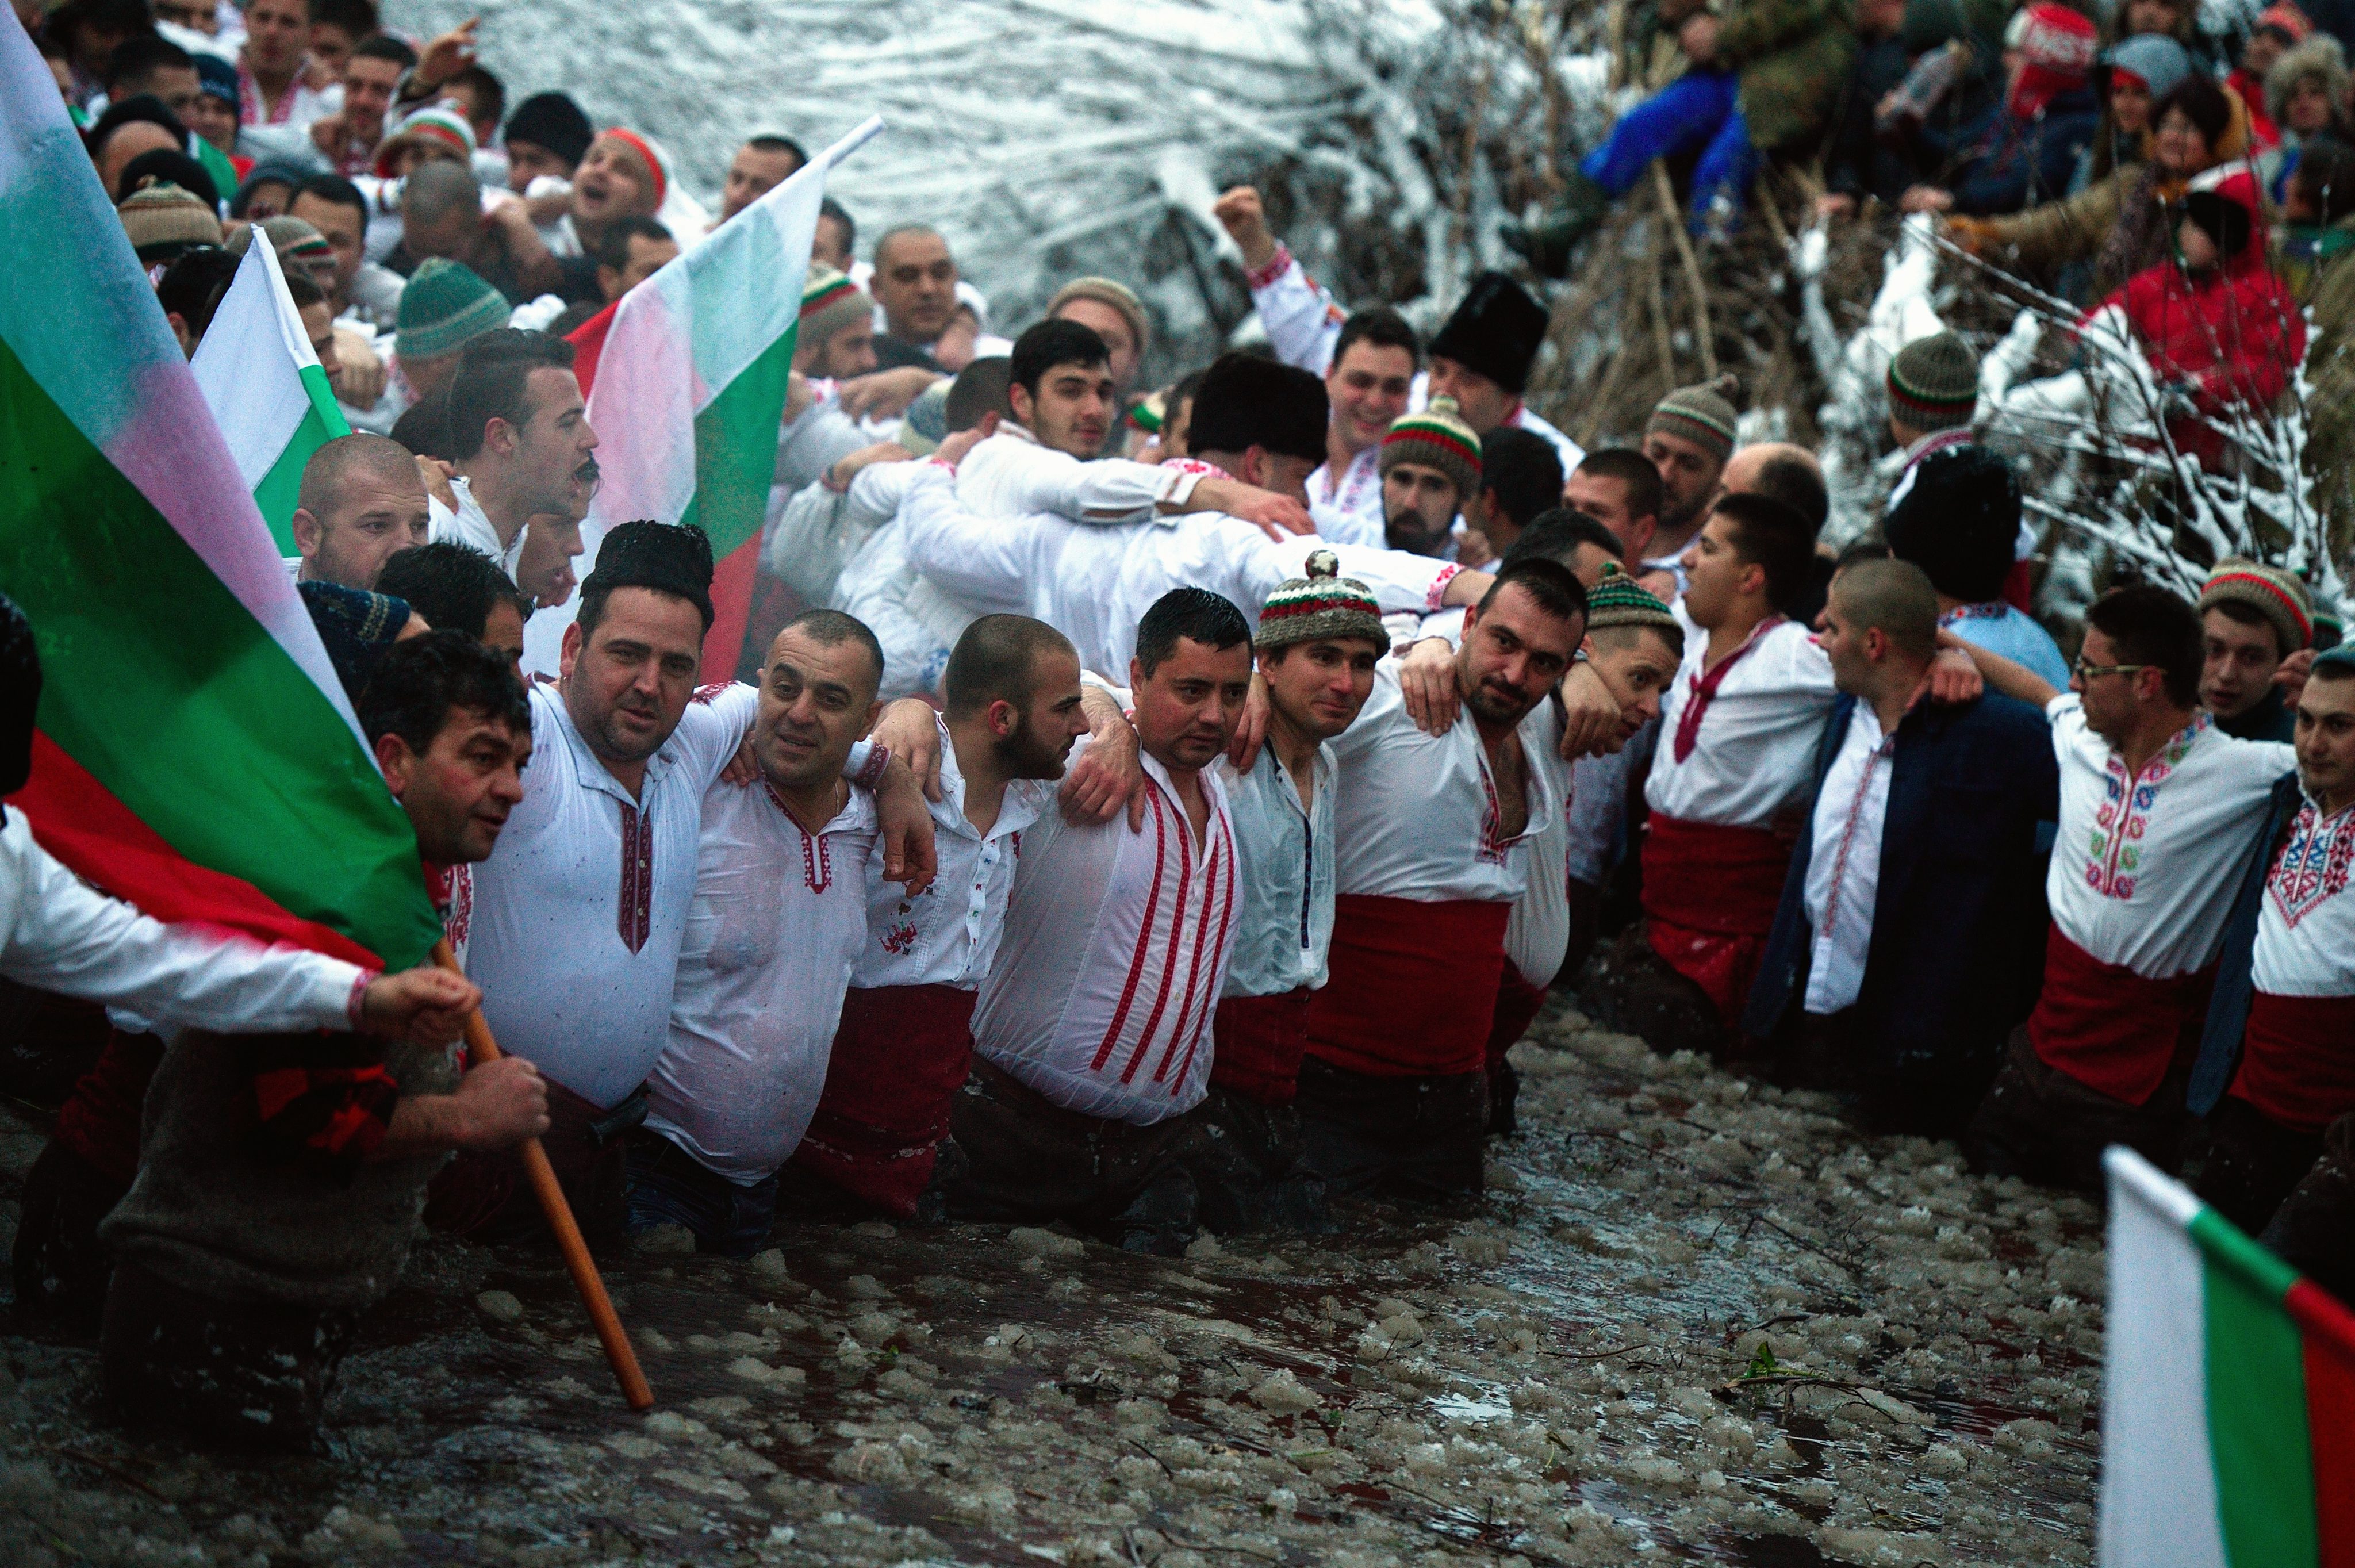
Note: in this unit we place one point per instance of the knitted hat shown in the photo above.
(657, 161)
(356, 626)
(263, 174)
(1496, 331)
(1934, 383)
(20, 695)
(444, 306)
(2276, 594)
(1955, 515)
(670, 558)
(217, 77)
(1322, 605)
(1700, 414)
(551, 120)
(1436, 438)
(298, 245)
(163, 220)
(2158, 62)
(2288, 20)
(2056, 48)
(831, 301)
(926, 423)
(2330, 631)
(1619, 600)
(175, 168)
(1104, 290)
(436, 124)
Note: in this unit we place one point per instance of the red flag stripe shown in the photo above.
(2329, 1331)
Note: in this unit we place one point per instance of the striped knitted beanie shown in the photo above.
(436, 124)
(1436, 437)
(163, 220)
(1703, 415)
(830, 302)
(1619, 600)
(1322, 605)
(1934, 383)
(2273, 594)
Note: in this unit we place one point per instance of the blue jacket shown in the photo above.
(1958, 923)
(2227, 1004)
(2002, 164)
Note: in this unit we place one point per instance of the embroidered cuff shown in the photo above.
(871, 771)
(1178, 477)
(1277, 265)
(354, 1004)
(1437, 598)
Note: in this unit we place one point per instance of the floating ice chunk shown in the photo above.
(1281, 1394)
(499, 1306)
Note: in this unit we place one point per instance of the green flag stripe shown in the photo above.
(2256, 1402)
(736, 450)
(281, 489)
(161, 684)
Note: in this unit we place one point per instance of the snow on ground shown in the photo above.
(1552, 1382)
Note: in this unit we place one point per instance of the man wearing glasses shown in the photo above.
(2160, 811)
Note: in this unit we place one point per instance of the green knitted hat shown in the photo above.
(1322, 605)
(1703, 415)
(1934, 383)
(1619, 600)
(2276, 594)
(445, 305)
(1436, 437)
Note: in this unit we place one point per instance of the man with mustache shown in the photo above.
(522, 447)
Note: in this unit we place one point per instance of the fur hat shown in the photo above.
(669, 558)
(163, 220)
(1436, 438)
(2278, 595)
(1105, 291)
(1246, 400)
(2319, 57)
(445, 305)
(1955, 515)
(1702, 414)
(831, 301)
(1497, 332)
(1934, 383)
(1323, 603)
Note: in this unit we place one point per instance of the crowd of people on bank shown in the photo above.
(1144, 809)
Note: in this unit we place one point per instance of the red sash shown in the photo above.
(2110, 1028)
(1710, 896)
(900, 1056)
(2297, 1059)
(1412, 986)
(1518, 1002)
(99, 1120)
(1256, 1045)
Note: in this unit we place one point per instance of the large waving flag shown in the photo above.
(266, 389)
(196, 753)
(689, 388)
(2228, 1418)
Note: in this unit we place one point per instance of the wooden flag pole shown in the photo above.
(544, 1186)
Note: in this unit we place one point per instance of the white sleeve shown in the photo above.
(1302, 322)
(813, 444)
(987, 562)
(713, 727)
(877, 490)
(64, 936)
(1399, 580)
(1032, 478)
(874, 588)
(801, 550)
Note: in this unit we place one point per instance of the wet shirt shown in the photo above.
(1753, 748)
(1286, 926)
(2145, 869)
(1114, 956)
(1844, 867)
(779, 918)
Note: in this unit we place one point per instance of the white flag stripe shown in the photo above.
(250, 365)
(2158, 1477)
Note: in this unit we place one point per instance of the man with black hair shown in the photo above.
(1092, 581)
(459, 589)
(1368, 383)
(155, 65)
(1480, 357)
(1431, 836)
(520, 442)
(579, 919)
(1520, 477)
(359, 289)
(136, 125)
(1956, 514)
(778, 920)
(759, 166)
(1013, 712)
(837, 234)
(1094, 1031)
(361, 503)
(630, 252)
(546, 138)
(2161, 813)
(281, 1177)
(191, 291)
(1620, 488)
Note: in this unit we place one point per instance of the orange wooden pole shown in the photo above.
(544, 1186)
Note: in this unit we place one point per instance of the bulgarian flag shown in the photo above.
(688, 388)
(2228, 1418)
(194, 752)
(266, 389)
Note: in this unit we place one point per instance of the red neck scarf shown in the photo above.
(1704, 688)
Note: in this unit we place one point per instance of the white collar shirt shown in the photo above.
(2306, 927)
(949, 933)
(1754, 751)
(1114, 957)
(779, 918)
(580, 911)
(1286, 928)
(1417, 816)
(1844, 861)
(2144, 869)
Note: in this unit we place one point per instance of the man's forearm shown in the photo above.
(2013, 679)
(422, 1123)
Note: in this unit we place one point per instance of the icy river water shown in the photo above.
(1698, 1319)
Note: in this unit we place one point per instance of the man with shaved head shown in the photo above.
(361, 503)
(915, 283)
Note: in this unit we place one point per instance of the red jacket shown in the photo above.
(2230, 334)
